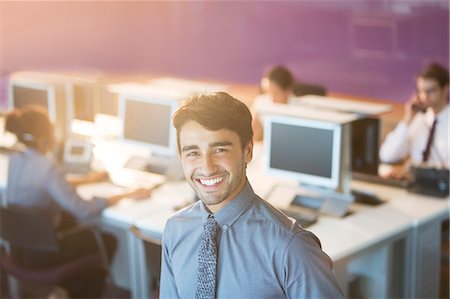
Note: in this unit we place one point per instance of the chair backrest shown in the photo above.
(303, 88)
(27, 229)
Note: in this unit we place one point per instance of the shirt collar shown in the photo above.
(430, 116)
(235, 208)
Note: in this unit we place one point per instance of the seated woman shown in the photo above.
(277, 87)
(35, 181)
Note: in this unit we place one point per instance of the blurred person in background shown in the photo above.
(422, 136)
(35, 181)
(277, 86)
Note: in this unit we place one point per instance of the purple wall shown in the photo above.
(370, 48)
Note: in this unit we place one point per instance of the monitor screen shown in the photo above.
(42, 95)
(108, 103)
(25, 95)
(303, 149)
(147, 122)
(42, 89)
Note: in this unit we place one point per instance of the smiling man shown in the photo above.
(232, 243)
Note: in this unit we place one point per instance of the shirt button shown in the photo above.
(225, 227)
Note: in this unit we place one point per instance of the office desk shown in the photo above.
(379, 252)
(426, 216)
(117, 219)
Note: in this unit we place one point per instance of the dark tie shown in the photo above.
(207, 260)
(426, 152)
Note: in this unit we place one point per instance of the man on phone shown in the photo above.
(422, 135)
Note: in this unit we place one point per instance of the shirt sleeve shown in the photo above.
(167, 287)
(308, 271)
(68, 199)
(396, 145)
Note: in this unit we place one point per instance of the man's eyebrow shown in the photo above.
(189, 147)
(220, 143)
(211, 145)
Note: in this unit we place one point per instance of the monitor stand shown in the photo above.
(326, 201)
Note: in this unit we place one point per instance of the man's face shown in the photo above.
(213, 163)
(277, 94)
(430, 93)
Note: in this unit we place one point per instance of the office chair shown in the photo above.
(303, 88)
(27, 229)
(152, 252)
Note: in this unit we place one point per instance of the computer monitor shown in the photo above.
(365, 145)
(146, 122)
(22, 94)
(82, 100)
(310, 151)
(36, 89)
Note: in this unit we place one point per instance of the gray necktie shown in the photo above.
(207, 261)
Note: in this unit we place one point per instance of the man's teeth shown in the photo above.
(211, 182)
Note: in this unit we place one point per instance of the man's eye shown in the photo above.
(220, 150)
(191, 154)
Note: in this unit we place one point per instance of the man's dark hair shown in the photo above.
(281, 76)
(436, 72)
(216, 111)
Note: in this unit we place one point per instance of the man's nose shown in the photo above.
(208, 165)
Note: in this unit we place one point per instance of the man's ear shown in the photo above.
(248, 152)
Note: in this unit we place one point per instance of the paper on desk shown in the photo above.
(163, 201)
(102, 189)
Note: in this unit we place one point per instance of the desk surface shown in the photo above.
(342, 104)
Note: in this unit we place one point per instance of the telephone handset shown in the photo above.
(418, 105)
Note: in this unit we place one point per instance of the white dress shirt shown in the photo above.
(411, 140)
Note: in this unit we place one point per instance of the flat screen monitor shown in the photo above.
(365, 145)
(146, 121)
(304, 149)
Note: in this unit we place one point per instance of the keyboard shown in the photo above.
(132, 178)
(305, 220)
(376, 179)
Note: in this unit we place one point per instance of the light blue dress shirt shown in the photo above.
(262, 253)
(35, 181)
